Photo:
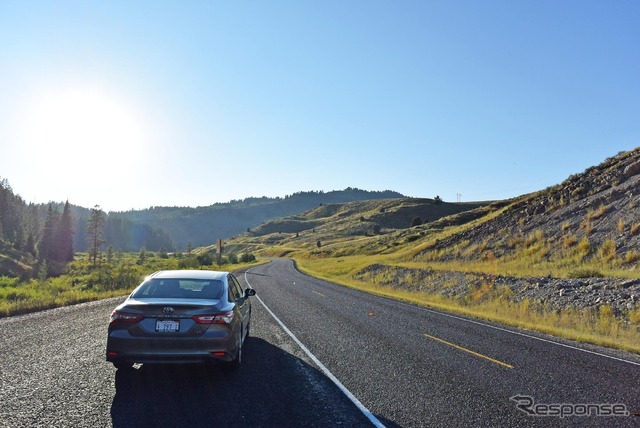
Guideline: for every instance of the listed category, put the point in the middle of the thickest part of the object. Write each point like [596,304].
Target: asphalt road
[412,366]
[407,366]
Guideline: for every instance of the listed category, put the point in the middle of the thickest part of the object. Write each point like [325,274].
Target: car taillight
[124,317]
[219,318]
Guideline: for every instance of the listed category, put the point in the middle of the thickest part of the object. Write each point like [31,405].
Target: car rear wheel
[237,361]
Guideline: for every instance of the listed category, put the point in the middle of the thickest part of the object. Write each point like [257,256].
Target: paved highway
[359,360]
[411,366]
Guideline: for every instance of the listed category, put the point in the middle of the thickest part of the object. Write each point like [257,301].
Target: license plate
[167,326]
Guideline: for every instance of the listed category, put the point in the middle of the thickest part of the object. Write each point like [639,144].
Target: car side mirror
[249,292]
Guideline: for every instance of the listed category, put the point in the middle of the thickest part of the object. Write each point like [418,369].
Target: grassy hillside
[15,263]
[562,260]
[363,227]
[589,225]
[205,225]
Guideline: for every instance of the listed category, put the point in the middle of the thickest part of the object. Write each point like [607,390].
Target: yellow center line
[319,294]
[469,351]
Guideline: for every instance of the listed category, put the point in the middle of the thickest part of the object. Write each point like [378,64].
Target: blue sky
[132,104]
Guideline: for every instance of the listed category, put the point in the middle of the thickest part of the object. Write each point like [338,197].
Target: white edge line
[375,421]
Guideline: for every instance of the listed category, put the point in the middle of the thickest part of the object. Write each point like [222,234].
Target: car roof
[190,274]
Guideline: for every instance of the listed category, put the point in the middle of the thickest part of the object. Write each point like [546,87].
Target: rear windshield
[180,288]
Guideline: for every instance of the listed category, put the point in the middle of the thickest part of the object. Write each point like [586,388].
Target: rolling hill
[205,225]
[573,245]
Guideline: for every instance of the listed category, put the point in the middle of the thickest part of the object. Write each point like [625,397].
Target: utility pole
[219,255]
[458,197]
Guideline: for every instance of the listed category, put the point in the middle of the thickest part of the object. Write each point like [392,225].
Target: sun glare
[83,139]
[74,122]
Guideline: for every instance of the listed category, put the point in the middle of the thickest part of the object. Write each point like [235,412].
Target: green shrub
[247,257]
[189,263]
[585,273]
[6,281]
[205,259]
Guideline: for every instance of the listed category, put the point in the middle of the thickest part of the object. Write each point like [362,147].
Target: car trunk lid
[170,317]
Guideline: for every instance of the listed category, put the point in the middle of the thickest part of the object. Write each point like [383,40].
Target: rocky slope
[601,204]
[621,295]
[593,217]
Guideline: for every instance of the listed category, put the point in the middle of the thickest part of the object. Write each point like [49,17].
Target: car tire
[237,361]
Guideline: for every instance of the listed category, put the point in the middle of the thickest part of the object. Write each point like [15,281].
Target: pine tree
[95,232]
[46,247]
[33,229]
[64,237]
[30,245]
[4,209]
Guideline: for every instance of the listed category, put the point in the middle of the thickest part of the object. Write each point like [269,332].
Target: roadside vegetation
[115,274]
[39,268]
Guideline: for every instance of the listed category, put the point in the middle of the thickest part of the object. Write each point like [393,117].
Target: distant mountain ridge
[154,229]
[202,226]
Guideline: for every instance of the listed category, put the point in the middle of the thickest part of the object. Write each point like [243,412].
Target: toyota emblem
[167,310]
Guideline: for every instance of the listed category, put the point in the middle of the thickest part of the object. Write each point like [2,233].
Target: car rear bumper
[123,347]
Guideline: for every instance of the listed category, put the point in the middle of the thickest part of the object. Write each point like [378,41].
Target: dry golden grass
[601,211]
[607,251]
[631,256]
[569,240]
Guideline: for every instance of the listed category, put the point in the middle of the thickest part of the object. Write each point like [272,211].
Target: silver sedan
[181,316]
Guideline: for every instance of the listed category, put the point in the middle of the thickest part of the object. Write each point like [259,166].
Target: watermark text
[528,405]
